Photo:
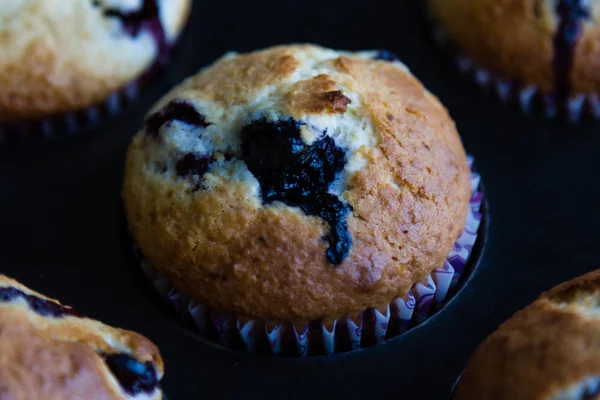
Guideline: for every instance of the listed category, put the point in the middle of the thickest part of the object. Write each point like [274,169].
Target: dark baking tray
[60,211]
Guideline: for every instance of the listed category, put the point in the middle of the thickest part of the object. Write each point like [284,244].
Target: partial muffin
[549,350]
[49,351]
[297,184]
[58,57]
[548,46]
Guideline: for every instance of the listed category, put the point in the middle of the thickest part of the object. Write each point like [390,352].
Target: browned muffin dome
[48,351]
[60,56]
[549,350]
[553,45]
[297,183]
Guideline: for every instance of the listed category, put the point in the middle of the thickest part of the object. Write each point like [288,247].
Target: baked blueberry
[41,306]
[299,175]
[135,377]
[591,394]
[146,18]
[51,352]
[190,164]
[386,55]
[316,184]
[176,110]
[96,48]
[571,14]
[542,53]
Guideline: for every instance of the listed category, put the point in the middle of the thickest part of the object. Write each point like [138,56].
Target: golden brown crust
[317,95]
[33,366]
[585,76]
[480,30]
[526,55]
[58,358]
[223,248]
[57,57]
[241,77]
[542,350]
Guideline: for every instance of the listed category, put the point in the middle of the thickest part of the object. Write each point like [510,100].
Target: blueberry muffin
[61,56]
[549,45]
[297,183]
[549,350]
[49,351]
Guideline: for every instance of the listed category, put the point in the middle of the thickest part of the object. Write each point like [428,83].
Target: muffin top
[549,350]
[49,351]
[551,44]
[297,183]
[59,56]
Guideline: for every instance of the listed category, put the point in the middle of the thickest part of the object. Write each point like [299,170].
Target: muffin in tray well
[549,350]
[552,46]
[48,351]
[297,183]
[58,56]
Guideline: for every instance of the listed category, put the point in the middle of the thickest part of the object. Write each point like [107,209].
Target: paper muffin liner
[529,98]
[64,125]
[346,334]
[455,386]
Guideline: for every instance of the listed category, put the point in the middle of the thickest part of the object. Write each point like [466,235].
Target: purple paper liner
[345,334]
[455,386]
[529,98]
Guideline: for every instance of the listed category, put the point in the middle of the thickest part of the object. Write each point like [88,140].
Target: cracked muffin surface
[297,183]
[549,350]
[49,351]
[61,56]
[549,44]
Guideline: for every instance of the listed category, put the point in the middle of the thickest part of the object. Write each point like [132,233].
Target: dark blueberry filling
[181,110]
[571,14]
[386,55]
[147,18]
[192,165]
[299,175]
[43,307]
[590,394]
[133,376]
[176,110]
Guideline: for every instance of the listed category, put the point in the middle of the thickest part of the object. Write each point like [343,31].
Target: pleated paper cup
[529,98]
[79,121]
[372,326]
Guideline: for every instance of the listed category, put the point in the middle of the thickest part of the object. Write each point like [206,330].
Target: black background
[60,212]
